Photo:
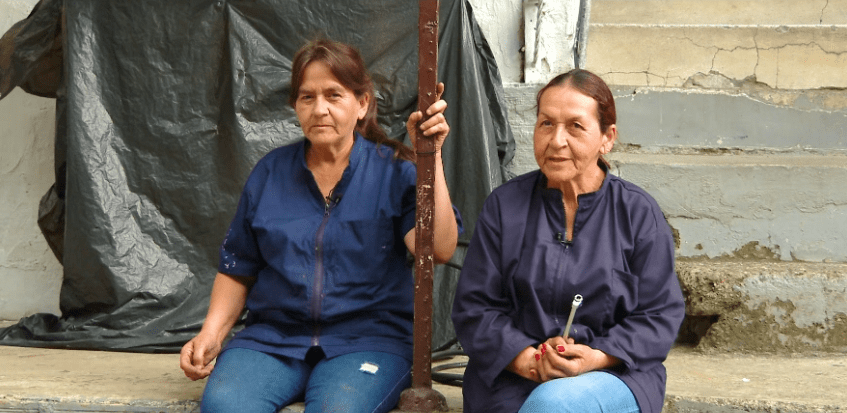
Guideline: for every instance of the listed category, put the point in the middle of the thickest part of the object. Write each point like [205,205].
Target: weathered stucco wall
[532,40]
[501,21]
[30,275]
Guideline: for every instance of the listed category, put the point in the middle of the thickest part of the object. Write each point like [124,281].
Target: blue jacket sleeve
[239,253]
[643,336]
[482,305]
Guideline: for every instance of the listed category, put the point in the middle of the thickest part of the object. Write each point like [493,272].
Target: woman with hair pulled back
[570,228]
[316,252]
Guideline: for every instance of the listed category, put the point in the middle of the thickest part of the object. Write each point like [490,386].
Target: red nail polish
[561,348]
[537,357]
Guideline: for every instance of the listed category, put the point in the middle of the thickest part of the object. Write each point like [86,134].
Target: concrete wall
[30,275]
[532,40]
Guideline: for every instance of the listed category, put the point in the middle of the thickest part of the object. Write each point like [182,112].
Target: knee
[220,398]
[548,397]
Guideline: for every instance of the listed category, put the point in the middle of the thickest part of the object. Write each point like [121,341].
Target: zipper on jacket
[317,286]
[563,240]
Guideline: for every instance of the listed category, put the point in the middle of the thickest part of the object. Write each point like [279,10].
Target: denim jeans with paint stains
[246,380]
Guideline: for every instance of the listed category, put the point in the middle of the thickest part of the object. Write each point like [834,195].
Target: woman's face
[567,139]
[327,110]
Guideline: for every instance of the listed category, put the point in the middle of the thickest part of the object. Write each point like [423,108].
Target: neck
[329,156]
[589,182]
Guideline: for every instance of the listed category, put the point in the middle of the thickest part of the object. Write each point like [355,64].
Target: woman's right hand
[229,293]
[559,357]
[196,356]
[525,364]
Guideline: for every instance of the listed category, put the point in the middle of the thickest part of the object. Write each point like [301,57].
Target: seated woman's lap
[358,382]
[595,391]
[245,380]
[251,381]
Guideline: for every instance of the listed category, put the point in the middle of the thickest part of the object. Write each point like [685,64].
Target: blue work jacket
[329,273]
[520,276]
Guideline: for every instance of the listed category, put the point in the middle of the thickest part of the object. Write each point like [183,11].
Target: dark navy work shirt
[520,276]
[331,273]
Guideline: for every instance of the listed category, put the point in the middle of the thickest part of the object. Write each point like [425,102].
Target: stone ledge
[767,307]
[724,383]
[43,380]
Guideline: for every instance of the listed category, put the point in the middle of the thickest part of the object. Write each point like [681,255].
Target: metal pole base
[421,399]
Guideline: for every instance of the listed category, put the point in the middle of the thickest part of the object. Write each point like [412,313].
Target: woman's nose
[321,106]
[560,136]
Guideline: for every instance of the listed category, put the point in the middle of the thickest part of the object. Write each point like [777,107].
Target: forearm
[446,233]
[229,294]
[602,361]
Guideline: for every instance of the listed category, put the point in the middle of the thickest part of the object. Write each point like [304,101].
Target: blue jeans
[248,381]
[594,391]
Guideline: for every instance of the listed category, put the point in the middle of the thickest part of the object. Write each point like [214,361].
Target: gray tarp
[164,106]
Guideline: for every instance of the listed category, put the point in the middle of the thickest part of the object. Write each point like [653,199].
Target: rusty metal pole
[421,397]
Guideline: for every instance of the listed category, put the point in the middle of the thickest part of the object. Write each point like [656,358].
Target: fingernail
[543,348]
[561,348]
[537,357]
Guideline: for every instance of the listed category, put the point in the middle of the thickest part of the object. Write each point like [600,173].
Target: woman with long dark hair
[317,254]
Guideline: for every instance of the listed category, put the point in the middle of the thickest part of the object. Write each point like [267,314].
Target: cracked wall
[720,12]
[780,57]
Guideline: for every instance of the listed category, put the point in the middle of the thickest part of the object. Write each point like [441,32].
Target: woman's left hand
[559,358]
[435,125]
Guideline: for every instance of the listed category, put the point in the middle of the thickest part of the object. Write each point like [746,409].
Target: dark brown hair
[589,85]
[346,64]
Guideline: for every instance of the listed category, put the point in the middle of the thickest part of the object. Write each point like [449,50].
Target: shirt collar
[356,155]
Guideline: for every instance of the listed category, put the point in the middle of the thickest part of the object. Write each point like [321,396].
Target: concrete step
[752,121]
[720,12]
[48,380]
[788,207]
[731,382]
[42,380]
[784,44]
[763,306]
[696,121]
[794,57]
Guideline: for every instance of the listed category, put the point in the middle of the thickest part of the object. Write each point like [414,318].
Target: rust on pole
[421,397]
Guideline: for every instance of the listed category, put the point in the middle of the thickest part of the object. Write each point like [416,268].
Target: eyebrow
[568,118]
[329,89]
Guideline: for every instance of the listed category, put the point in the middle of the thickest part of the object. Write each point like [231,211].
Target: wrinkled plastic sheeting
[169,106]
